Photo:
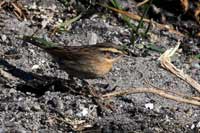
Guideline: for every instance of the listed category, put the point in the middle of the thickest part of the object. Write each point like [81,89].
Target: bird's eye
[110,54]
[114,55]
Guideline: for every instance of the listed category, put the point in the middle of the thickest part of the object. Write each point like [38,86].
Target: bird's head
[111,52]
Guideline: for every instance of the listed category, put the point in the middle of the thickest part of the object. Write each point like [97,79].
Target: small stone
[24,108]
[149,106]
[198,125]
[92,38]
[35,67]
[33,6]
[57,103]
[196,65]
[193,126]
[32,51]
[116,40]
[13,91]
[140,46]
[36,108]
[83,113]
[3,38]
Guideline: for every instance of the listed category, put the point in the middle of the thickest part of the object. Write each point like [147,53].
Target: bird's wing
[69,53]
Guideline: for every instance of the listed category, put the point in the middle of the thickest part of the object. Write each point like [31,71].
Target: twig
[159,92]
[7,75]
[137,18]
[166,63]
[2,3]
[196,98]
[99,100]
[8,56]
[177,94]
[76,124]
[142,3]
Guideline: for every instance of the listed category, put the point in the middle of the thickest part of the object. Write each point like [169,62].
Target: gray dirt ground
[39,110]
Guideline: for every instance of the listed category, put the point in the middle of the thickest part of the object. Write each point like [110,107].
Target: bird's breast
[102,68]
[86,69]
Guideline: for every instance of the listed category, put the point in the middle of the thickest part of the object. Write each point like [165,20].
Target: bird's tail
[40,42]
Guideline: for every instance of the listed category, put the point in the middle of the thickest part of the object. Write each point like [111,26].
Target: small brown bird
[83,62]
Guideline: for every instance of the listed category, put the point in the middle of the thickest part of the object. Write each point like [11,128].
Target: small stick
[159,92]
[7,75]
[166,63]
[142,3]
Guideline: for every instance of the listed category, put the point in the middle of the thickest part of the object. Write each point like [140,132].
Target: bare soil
[40,98]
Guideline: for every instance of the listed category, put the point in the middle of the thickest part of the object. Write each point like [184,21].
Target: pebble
[36,108]
[3,37]
[149,105]
[35,67]
[84,112]
[92,38]
[198,125]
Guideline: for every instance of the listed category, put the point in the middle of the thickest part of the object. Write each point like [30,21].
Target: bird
[83,62]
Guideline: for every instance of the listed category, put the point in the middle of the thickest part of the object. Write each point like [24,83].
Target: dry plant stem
[166,63]
[7,75]
[137,18]
[2,3]
[142,3]
[9,56]
[196,98]
[177,93]
[77,125]
[159,92]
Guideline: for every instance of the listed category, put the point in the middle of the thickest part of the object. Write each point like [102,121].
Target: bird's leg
[78,85]
[72,85]
[78,82]
[90,90]
[84,82]
[109,86]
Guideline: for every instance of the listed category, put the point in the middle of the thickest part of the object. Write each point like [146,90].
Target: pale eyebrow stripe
[111,50]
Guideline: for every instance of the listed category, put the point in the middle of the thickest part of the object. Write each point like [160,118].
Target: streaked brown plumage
[85,62]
